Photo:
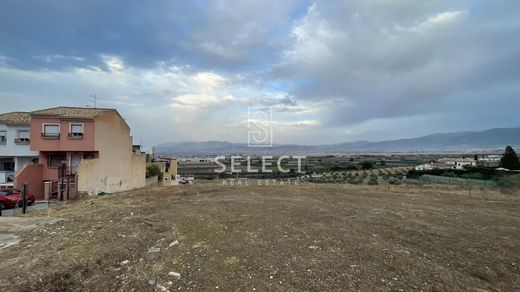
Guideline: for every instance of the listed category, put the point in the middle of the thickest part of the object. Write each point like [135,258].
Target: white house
[14,145]
[426,166]
[490,158]
[460,163]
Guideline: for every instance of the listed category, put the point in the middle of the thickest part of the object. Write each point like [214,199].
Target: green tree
[367,165]
[510,160]
[154,170]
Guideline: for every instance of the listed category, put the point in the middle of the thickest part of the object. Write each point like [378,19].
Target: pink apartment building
[81,150]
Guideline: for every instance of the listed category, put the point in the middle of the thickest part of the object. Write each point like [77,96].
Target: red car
[9,198]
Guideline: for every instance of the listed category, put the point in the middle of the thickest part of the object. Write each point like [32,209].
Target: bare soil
[272,238]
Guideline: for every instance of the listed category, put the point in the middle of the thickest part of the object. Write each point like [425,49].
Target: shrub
[475,175]
[154,170]
[509,182]
[394,181]
[372,181]
[352,180]
[367,165]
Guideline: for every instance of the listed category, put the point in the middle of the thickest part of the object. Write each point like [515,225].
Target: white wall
[21,161]
[11,148]
[21,153]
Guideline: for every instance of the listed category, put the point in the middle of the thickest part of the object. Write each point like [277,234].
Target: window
[56,159]
[76,130]
[51,130]
[87,156]
[23,137]
[3,137]
[8,166]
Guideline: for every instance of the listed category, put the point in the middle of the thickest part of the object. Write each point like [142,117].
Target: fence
[456,181]
[64,188]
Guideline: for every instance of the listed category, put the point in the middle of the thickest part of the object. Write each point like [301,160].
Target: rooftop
[72,112]
[22,118]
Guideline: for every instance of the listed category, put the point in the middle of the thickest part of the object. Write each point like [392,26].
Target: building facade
[15,151]
[81,150]
[169,169]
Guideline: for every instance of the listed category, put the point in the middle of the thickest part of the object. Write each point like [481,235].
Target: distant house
[489,160]
[15,152]
[426,166]
[448,163]
[196,161]
[461,163]
[169,169]
[458,163]
[81,150]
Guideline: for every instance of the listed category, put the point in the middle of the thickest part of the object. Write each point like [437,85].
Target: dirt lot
[272,238]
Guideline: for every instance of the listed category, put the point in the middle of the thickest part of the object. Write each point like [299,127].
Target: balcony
[51,136]
[22,141]
[76,136]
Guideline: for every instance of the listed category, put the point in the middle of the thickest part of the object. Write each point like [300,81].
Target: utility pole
[93,99]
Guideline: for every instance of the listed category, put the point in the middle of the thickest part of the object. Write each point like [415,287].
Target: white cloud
[161,104]
[435,21]
[199,100]
[52,58]
[303,123]
[113,63]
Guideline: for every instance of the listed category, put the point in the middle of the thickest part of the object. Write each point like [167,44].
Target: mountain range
[487,140]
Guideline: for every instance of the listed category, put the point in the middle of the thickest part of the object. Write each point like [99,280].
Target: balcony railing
[75,135]
[22,141]
[50,135]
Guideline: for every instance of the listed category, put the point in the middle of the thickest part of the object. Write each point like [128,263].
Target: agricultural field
[322,165]
[390,175]
[310,237]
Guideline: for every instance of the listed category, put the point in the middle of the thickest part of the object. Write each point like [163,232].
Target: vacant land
[272,238]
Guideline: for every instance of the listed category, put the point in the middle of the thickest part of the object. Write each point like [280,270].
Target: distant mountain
[492,139]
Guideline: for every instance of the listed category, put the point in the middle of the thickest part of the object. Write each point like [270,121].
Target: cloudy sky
[332,71]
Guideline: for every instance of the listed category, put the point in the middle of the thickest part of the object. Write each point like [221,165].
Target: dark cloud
[209,34]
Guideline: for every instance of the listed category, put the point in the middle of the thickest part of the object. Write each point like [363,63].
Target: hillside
[492,139]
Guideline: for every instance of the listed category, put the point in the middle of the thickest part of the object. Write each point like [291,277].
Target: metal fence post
[24,195]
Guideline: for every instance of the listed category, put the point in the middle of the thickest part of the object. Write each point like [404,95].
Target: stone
[175,275]
[173,243]
[153,253]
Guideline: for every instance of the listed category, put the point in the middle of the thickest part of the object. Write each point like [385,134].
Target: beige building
[169,170]
[117,167]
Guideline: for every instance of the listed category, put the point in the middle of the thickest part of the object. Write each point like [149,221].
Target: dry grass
[322,237]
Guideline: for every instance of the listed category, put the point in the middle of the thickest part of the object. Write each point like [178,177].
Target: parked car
[10,197]
[185,179]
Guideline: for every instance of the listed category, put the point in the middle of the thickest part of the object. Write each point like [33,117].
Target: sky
[330,71]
